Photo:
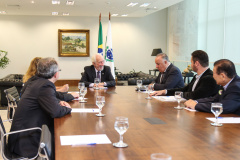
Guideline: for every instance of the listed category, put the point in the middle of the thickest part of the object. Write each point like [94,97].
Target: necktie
[161,78]
[98,76]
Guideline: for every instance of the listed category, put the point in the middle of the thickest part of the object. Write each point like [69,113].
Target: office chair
[45,148]
[5,152]
[12,98]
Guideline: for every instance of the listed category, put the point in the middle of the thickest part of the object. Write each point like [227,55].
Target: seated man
[202,85]
[225,74]
[98,70]
[169,76]
[38,106]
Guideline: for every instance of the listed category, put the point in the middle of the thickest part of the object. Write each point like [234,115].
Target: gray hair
[164,56]
[47,67]
[94,57]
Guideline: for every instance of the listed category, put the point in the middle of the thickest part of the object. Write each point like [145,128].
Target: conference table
[182,134]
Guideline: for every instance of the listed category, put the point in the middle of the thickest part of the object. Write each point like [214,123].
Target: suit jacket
[38,106]
[230,99]
[64,96]
[206,87]
[172,78]
[90,74]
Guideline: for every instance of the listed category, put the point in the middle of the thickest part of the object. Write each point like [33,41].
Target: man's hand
[63,103]
[158,93]
[190,104]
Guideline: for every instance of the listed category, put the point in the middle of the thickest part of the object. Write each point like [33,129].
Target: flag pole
[109,16]
[99,18]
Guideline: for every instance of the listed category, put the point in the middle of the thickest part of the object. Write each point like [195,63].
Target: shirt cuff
[91,85]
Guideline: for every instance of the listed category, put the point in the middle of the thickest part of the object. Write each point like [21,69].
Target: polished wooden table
[185,135]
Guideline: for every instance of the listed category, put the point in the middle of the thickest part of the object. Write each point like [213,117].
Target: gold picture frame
[73,43]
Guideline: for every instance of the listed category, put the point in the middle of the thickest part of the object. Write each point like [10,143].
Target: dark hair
[47,67]
[163,55]
[201,57]
[225,66]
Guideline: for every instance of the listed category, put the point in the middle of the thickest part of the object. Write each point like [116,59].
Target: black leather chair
[5,152]
[7,82]
[12,98]
[45,148]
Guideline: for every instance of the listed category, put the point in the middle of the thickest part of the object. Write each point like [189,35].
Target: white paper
[167,98]
[226,119]
[84,139]
[78,99]
[191,110]
[74,92]
[89,110]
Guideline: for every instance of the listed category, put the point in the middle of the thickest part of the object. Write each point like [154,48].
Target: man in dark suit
[229,95]
[38,106]
[98,70]
[202,85]
[169,76]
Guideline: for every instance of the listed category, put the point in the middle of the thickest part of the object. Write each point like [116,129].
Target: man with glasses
[38,106]
[98,70]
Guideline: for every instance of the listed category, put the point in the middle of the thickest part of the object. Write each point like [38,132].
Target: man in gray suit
[98,70]
[169,76]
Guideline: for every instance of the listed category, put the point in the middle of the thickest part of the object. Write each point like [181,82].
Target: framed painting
[73,43]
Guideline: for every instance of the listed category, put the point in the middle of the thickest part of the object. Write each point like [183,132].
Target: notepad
[167,98]
[88,110]
[85,139]
[225,119]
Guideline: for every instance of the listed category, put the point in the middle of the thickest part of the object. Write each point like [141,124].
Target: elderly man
[169,76]
[202,85]
[38,106]
[229,95]
[98,70]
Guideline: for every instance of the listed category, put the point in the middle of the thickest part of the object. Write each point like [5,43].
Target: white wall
[25,37]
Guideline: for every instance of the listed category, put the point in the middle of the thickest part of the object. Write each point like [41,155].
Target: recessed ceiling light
[155,7]
[132,4]
[145,5]
[124,15]
[3,12]
[32,2]
[55,2]
[70,3]
[65,14]
[54,13]
[114,14]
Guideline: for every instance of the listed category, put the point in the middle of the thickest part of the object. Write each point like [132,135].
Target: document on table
[167,98]
[85,139]
[88,110]
[225,119]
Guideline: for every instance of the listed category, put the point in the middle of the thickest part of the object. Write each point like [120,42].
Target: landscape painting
[73,43]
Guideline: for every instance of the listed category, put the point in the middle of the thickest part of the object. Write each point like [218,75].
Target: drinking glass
[81,85]
[139,84]
[178,96]
[216,109]
[160,156]
[100,101]
[82,93]
[149,91]
[96,82]
[121,125]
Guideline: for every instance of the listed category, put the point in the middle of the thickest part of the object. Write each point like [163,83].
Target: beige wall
[25,37]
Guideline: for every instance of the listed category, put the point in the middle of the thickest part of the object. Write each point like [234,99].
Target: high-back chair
[12,98]
[45,148]
[5,152]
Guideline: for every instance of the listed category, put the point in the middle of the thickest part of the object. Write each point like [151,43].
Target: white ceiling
[84,7]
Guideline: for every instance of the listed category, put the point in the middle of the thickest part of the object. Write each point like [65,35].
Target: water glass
[149,89]
[160,156]
[81,85]
[216,109]
[96,82]
[121,125]
[100,102]
[178,96]
[139,84]
[82,94]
